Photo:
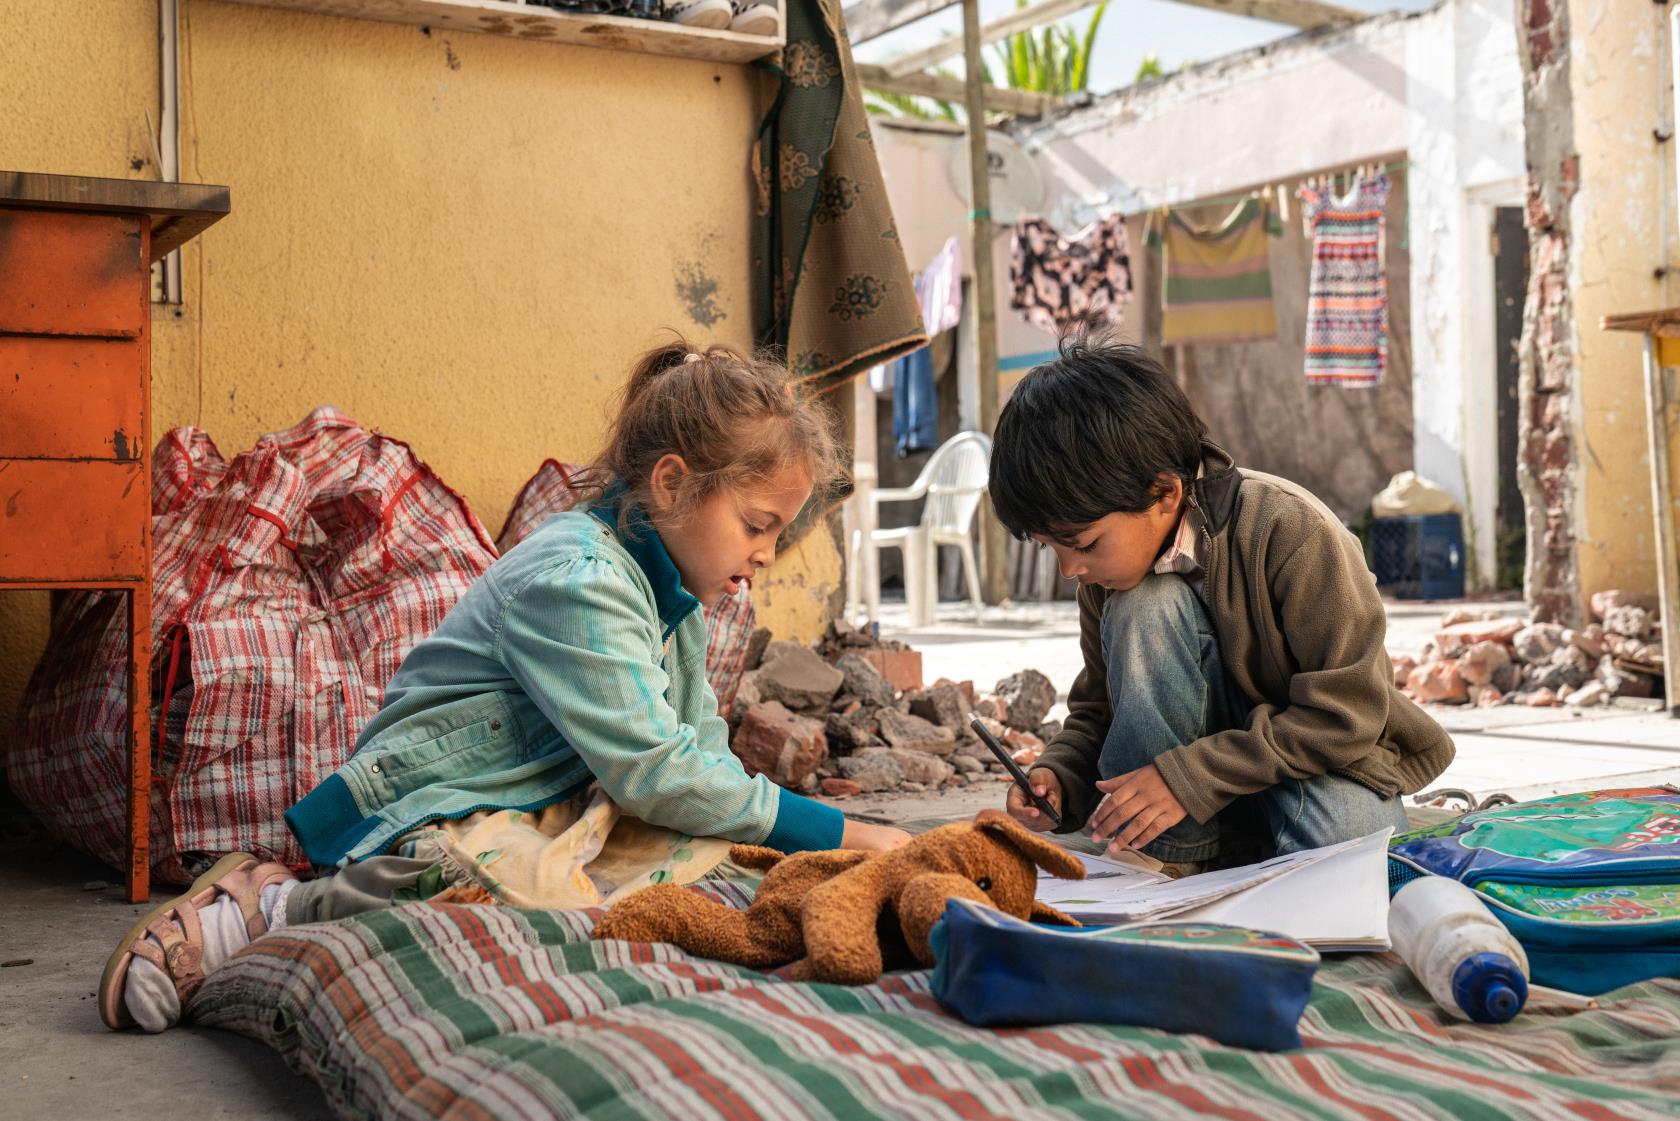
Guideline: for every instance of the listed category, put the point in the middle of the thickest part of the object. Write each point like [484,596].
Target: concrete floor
[63,912]
[57,1060]
[1525,752]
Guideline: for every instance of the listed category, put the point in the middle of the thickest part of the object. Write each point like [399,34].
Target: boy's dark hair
[1090,434]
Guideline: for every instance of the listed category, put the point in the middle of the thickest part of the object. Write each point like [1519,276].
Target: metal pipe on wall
[169,124]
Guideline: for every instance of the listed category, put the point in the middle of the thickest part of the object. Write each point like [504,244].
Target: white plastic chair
[952,482]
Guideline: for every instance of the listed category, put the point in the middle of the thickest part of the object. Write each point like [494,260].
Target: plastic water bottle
[1464,956]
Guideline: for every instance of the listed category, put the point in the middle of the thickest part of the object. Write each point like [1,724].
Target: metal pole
[169,125]
[994,563]
[1668,567]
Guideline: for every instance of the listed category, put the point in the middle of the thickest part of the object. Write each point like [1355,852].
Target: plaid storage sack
[287,586]
[1589,883]
[729,622]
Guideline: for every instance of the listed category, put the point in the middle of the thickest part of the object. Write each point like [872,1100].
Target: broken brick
[775,742]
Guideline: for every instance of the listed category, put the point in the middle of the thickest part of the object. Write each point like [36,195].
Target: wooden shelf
[178,211]
[532,21]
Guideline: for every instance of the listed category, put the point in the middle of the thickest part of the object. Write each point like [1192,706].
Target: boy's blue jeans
[1167,686]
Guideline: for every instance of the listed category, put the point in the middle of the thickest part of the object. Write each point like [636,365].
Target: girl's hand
[1139,808]
[1047,786]
[867,837]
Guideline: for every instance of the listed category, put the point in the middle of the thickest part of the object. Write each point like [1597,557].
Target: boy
[1235,682]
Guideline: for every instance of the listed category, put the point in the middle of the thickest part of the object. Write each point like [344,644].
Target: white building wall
[1260,117]
[1464,139]
[1441,88]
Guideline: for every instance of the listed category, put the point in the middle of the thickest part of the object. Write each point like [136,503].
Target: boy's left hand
[1139,808]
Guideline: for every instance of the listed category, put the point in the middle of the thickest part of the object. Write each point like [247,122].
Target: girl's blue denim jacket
[577,657]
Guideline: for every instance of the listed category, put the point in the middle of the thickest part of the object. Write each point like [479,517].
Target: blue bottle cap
[1489,987]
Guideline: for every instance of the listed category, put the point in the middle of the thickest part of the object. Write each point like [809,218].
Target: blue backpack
[1588,883]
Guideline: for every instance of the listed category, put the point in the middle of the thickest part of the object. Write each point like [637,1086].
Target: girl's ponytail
[659,360]
[729,416]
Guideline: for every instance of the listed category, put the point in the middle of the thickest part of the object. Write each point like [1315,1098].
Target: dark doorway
[1509,243]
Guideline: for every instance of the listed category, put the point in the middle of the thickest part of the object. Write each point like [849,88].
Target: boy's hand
[1047,786]
[869,837]
[1139,808]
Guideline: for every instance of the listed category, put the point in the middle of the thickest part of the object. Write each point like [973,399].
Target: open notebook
[1333,898]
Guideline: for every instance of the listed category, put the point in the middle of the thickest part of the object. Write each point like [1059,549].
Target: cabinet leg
[139,743]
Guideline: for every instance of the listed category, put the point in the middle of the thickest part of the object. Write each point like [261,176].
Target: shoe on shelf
[713,14]
[755,18]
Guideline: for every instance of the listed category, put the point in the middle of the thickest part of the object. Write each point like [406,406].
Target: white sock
[148,991]
[272,900]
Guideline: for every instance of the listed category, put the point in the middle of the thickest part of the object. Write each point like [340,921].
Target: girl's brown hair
[731,417]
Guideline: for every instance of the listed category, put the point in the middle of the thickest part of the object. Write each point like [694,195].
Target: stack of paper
[1333,898]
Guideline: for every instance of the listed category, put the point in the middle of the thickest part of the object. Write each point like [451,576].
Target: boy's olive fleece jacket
[1300,630]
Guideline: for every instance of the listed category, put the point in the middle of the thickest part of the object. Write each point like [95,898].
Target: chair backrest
[962,461]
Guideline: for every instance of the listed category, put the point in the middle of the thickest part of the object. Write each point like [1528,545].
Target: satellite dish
[1017,186]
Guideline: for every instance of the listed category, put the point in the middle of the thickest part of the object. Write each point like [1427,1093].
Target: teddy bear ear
[1046,854]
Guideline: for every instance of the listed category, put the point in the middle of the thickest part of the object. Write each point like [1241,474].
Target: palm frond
[1082,69]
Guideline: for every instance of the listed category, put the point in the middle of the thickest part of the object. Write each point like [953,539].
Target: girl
[576,665]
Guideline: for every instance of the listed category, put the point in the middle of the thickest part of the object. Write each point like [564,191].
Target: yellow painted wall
[459,239]
[74,104]
[1617,82]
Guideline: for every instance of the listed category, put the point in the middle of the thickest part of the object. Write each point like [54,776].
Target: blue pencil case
[1243,988]
[1589,883]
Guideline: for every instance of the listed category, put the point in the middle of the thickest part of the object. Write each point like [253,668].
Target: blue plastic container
[1419,556]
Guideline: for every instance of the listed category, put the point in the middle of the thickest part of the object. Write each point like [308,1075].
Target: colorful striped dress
[1347,300]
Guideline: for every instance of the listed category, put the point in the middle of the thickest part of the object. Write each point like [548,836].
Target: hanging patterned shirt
[1056,281]
[1347,300]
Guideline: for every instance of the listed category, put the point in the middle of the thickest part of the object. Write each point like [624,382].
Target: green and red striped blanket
[484,1012]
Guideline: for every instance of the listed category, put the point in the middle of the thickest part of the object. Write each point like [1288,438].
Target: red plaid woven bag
[287,586]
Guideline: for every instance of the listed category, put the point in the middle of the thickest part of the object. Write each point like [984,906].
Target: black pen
[1014,768]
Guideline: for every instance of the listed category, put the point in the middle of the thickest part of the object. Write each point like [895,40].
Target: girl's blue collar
[645,547]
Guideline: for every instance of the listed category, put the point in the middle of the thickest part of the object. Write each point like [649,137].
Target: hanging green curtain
[830,285]
[831,289]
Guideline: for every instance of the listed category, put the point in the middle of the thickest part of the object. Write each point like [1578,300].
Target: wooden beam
[1023,20]
[1662,509]
[994,552]
[1308,15]
[870,19]
[1645,322]
[1018,102]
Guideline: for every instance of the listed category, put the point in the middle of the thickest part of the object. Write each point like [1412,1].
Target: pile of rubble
[1483,659]
[849,715]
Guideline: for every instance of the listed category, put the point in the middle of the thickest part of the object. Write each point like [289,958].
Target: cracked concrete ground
[57,1060]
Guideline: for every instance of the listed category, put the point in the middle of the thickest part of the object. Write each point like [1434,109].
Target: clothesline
[1216,276]
[1278,187]
[1281,187]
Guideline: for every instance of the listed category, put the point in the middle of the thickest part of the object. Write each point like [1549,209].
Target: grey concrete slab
[57,1060]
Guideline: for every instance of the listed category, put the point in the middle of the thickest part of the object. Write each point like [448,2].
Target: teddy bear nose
[984,883]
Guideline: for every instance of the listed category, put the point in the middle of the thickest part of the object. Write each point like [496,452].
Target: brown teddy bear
[843,916]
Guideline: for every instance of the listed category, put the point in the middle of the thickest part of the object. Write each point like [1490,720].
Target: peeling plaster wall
[461,239]
[1623,218]
[1464,143]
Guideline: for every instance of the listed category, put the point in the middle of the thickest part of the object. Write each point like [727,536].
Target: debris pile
[1483,659]
[850,715]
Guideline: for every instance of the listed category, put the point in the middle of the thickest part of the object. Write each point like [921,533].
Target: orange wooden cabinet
[75,405]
